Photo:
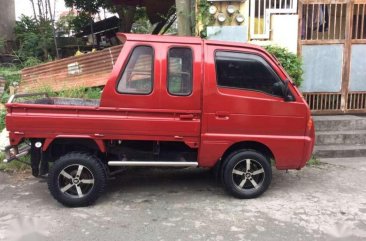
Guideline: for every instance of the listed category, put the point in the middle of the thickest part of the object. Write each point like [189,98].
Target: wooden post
[347,55]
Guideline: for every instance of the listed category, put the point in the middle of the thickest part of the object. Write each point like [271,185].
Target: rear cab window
[138,75]
[180,71]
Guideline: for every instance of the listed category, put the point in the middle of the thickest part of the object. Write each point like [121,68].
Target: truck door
[242,103]
[181,91]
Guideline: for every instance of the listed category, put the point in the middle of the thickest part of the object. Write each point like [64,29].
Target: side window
[246,71]
[138,75]
[180,64]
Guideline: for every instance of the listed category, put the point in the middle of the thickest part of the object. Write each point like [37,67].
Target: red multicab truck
[169,102]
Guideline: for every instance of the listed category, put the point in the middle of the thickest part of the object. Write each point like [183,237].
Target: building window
[246,71]
[180,64]
[138,75]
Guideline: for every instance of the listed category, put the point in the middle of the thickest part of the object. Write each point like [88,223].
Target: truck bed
[63,101]
[50,118]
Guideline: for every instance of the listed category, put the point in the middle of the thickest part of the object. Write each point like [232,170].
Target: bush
[290,62]
[12,76]
[34,39]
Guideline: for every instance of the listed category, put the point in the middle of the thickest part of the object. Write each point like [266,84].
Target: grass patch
[313,161]
[12,78]
[84,93]
[80,92]
[15,166]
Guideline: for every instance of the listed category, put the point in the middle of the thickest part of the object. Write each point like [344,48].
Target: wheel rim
[248,174]
[76,181]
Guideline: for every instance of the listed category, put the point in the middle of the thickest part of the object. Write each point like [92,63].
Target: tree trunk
[184,17]
[34,10]
[126,16]
[53,27]
[40,14]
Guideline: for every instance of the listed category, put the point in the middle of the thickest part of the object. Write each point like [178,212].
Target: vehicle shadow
[145,183]
[163,181]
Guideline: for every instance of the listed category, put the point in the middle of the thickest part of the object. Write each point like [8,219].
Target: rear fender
[98,142]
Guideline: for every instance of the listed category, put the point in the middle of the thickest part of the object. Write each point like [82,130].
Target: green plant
[290,62]
[31,61]
[12,76]
[2,44]
[141,21]
[34,39]
[78,92]
[15,166]
[204,17]
[2,119]
[313,161]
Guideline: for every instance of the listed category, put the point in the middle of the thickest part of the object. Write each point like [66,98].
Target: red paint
[221,116]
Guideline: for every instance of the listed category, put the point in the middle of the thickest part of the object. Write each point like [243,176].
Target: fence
[89,70]
[332,42]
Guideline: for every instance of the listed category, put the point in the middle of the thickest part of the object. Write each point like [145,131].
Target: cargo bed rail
[16,96]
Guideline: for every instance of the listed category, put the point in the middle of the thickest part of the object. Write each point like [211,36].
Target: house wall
[263,25]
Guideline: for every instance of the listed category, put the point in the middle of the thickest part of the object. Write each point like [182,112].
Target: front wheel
[247,174]
[77,179]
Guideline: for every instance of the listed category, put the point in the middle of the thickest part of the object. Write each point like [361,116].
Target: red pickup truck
[169,102]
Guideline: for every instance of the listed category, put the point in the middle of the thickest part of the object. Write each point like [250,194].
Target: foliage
[80,21]
[31,61]
[141,21]
[79,92]
[2,44]
[2,120]
[12,77]
[90,6]
[290,62]
[204,17]
[66,24]
[15,166]
[313,161]
[34,39]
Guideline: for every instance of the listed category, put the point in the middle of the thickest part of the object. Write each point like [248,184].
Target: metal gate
[332,43]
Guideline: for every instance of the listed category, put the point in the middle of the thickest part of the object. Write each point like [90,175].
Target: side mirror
[287,95]
[282,89]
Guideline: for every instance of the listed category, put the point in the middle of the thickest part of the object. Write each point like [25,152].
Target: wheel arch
[53,148]
[249,145]
[252,145]
[86,141]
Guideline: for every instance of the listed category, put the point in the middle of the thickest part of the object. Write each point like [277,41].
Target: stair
[340,136]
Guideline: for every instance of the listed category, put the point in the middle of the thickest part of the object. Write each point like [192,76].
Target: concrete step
[340,123]
[340,151]
[354,137]
[354,162]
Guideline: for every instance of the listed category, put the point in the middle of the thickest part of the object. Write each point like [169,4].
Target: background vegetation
[290,62]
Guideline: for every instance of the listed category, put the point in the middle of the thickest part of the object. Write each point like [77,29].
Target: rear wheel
[77,179]
[247,174]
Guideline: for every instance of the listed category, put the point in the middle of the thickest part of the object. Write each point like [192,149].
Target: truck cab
[171,101]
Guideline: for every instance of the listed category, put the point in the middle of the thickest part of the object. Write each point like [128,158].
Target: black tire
[77,179]
[243,182]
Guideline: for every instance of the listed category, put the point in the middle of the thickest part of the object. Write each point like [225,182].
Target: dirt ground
[325,202]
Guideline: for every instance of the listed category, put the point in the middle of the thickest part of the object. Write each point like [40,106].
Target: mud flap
[38,164]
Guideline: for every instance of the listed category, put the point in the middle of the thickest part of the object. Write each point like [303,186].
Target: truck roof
[182,40]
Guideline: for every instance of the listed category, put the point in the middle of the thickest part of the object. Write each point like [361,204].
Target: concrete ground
[325,202]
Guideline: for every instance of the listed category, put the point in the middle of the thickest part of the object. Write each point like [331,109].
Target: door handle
[186,117]
[222,115]
[178,137]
